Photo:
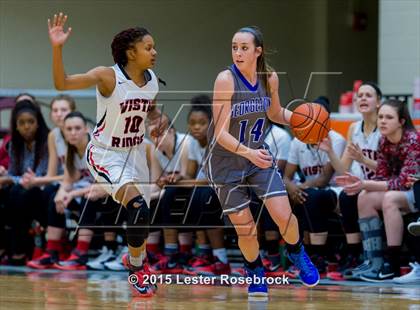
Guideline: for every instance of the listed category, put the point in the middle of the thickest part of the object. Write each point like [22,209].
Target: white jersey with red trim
[310,159]
[121,116]
[86,178]
[369,146]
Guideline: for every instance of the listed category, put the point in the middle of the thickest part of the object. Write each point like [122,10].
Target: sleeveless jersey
[174,164]
[368,145]
[311,160]
[248,120]
[86,178]
[61,148]
[120,117]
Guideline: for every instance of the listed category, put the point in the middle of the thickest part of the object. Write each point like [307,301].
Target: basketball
[310,123]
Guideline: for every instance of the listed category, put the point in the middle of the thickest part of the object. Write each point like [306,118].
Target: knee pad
[138,216]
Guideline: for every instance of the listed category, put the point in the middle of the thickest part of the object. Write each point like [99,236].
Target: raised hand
[56,30]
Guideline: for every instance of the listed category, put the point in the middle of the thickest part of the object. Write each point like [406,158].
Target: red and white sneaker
[76,261]
[46,261]
[136,278]
[166,265]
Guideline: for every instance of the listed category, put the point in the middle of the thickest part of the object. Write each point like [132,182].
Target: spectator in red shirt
[390,192]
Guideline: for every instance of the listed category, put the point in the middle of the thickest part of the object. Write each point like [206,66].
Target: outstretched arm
[102,77]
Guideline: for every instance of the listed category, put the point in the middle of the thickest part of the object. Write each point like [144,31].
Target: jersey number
[256,131]
[132,124]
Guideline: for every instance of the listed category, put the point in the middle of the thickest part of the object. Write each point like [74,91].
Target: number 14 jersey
[248,119]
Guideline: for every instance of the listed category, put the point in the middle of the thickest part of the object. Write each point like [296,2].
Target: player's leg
[138,219]
[137,222]
[235,202]
[125,176]
[246,230]
[233,193]
[269,187]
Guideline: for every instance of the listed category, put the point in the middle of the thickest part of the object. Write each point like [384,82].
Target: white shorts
[114,168]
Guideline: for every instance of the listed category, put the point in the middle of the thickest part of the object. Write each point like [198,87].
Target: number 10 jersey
[121,116]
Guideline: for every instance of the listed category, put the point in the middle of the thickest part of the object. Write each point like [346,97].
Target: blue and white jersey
[248,119]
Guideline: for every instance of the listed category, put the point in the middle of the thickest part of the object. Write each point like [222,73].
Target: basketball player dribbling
[245,95]
[116,156]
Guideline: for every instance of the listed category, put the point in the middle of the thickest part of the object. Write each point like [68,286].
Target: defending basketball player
[245,95]
[116,156]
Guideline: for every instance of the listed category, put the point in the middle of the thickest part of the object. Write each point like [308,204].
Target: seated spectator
[28,153]
[390,192]
[359,158]
[60,106]
[315,198]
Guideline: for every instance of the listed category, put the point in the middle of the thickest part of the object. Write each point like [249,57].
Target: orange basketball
[310,123]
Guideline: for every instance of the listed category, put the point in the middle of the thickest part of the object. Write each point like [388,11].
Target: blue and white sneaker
[259,287]
[308,273]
